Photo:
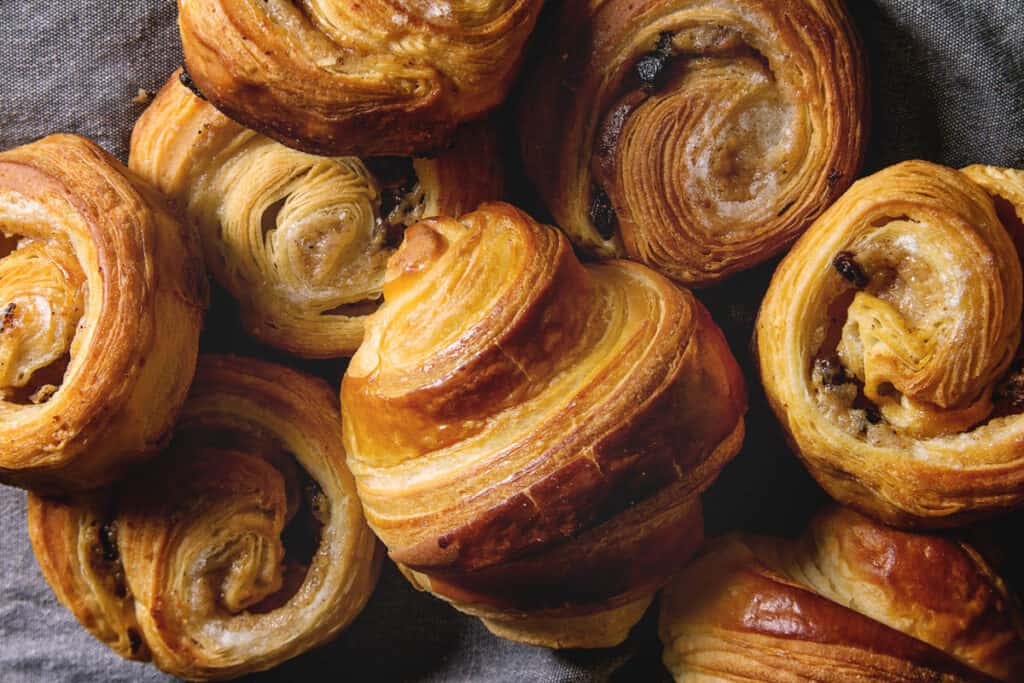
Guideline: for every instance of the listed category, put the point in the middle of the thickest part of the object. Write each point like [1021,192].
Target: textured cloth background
[947,85]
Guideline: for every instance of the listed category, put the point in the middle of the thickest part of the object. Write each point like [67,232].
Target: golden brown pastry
[887,344]
[530,435]
[300,241]
[698,137]
[364,78]
[241,546]
[851,600]
[101,300]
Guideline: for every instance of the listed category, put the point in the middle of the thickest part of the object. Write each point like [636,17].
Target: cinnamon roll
[243,545]
[889,344]
[530,436]
[698,137]
[101,300]
[368,78]
[300,241]
[851,600]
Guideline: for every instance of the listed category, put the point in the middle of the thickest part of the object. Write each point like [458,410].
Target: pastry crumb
[142,97]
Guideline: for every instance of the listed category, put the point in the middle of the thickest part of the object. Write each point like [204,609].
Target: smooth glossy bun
[241,546]
[530,436]
[888,344]
[101,300]
[365,78]
[851,600]
[698,137]
[300,241]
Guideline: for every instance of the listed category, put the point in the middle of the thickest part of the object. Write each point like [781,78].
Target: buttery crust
[698,137]
[300,241]
[851,600]
[530,435]
[888,343]
[101,296]
[197,562]
[368,78]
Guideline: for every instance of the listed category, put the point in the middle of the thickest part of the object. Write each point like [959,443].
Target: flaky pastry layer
[530,435]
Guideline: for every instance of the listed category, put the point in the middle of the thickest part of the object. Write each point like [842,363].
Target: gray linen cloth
[947,85]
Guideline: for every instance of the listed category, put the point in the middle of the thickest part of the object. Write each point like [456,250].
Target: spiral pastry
[101,301]
[529,435]
[300,241]
[368,78]
[698,137]
[851,600]
[242,546]
[888,343]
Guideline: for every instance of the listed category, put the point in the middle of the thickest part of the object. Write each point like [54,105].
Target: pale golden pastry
[241,546]
[101,300]
[300,241]
[530,436]
[851,600]
[699,137]
[887,344]
[365,78]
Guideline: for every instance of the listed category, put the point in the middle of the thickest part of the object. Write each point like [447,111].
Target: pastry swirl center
[307,227]
[42,296]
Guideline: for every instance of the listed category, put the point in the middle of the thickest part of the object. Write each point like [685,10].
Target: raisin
[848,267]
[602,214]
[664,46]
[650,68]
[831,371]
[108,541]
[1011,390]
[8,316]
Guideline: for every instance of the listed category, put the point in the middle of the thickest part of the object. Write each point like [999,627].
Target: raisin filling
[402,199]
[1008,395]
[650,74]
[847,266]
[827,370]
[308,507]
[105,554]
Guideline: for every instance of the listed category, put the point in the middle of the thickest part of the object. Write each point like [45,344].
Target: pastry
[851,600]
[300,241]
[101,300]
[698,137]
[239,547]
[364,78]
[888,344]
[530,435]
